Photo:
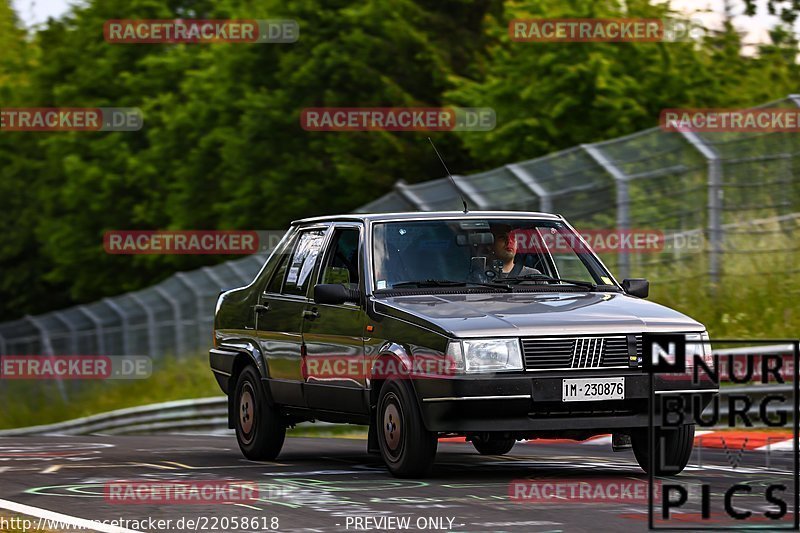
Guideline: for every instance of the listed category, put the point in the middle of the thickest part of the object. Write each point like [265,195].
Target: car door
[279,315]
[333,335]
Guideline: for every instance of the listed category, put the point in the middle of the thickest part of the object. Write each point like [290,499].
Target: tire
[407,448]
[678,444]
[260,430]
[493,445]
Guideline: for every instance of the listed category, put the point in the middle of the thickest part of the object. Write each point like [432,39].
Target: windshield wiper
[448,283]
[543,277]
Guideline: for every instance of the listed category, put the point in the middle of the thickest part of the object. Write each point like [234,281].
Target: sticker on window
[304,258]
[381,284]
[308,264]
[292,277]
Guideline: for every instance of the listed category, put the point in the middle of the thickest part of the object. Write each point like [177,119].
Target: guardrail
[199,414]
[195,415]
[211,414]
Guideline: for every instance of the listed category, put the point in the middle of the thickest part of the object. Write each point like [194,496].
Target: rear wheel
[493,445]
[673,448]
[260,430]
[407,448]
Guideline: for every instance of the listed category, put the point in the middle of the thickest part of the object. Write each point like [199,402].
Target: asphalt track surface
[323,484]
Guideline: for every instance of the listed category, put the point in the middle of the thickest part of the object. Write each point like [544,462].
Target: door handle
[311,315]
[260,308]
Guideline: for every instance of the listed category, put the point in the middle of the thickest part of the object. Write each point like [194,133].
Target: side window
[302,262]
[341,264]
[570,266]
[280,271]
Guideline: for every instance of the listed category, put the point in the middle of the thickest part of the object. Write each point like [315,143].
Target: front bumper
[529,404]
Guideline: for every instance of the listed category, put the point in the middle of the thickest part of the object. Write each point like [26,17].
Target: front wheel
[407,448]
[260,430]
[673,448]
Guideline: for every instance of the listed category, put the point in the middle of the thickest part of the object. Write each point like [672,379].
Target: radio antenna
[463,200]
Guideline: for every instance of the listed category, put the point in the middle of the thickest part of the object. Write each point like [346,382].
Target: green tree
[550,96]
[222,146]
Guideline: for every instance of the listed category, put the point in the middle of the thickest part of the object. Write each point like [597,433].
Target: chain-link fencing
[726,205]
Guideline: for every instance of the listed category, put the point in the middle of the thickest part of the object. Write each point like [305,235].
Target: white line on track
[80,523]
[778,446]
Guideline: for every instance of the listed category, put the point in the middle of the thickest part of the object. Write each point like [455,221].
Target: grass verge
[31,403]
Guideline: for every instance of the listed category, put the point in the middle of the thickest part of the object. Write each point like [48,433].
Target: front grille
[551,353]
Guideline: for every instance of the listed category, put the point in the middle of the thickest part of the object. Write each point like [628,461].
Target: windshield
[522,252]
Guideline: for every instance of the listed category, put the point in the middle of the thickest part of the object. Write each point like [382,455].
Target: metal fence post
[198,298]
[236,269]
[623,200]
[123,323]
[402,188]
[529,180]
[212,274]
[470,192]
[73,331]
[715,231]
[98,329]
[151,324]
[180,344]
[47,349]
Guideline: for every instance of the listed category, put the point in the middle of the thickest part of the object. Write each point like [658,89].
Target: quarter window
[280,272]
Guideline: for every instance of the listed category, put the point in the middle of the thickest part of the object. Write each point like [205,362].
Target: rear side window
[302,262]
[280,271]
[341,265]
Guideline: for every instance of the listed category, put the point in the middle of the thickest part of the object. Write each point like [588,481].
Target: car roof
[425,215]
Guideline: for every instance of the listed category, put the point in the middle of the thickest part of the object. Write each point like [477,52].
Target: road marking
[248,506]
[181,465]
[78,523]
[250,465]
[52,469]
[160,467]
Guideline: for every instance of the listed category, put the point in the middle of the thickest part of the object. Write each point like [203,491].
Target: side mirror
[638,287]
[334,294]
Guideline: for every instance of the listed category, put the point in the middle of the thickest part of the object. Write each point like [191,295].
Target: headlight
[484,355]
[699,344]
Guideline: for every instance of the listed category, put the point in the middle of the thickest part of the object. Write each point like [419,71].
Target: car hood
[536,313]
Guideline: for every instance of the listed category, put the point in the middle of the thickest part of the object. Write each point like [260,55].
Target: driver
[504,249]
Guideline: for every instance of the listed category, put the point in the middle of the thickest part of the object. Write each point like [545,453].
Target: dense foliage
[222,146]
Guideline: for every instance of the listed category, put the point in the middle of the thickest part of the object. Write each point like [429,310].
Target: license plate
[592,389]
